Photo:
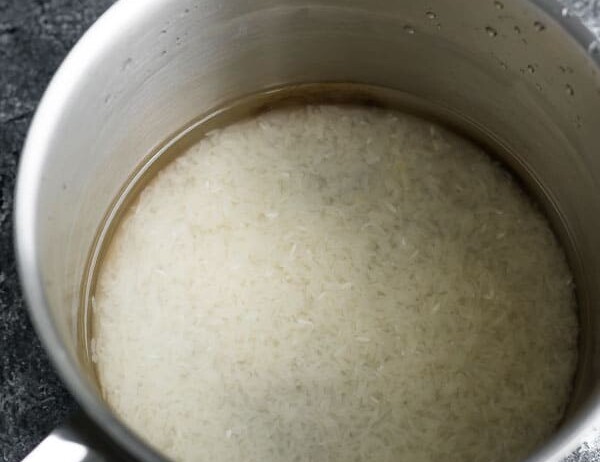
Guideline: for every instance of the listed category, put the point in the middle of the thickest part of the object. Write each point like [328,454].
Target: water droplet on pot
[531,69]
[538,86]
[565,12]
[539,26]
[569,89]
[409,29]
[430,15]
[517,29]
[499,5]
[126,64]
[491,31]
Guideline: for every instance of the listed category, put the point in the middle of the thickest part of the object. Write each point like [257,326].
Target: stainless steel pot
[518,73]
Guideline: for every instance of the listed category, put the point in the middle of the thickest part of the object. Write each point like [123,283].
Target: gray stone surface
[35,35]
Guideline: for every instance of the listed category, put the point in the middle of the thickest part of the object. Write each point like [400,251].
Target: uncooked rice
[335,283]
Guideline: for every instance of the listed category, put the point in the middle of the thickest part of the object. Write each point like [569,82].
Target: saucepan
[521,75]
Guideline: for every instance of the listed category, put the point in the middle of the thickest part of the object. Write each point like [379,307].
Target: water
[250,107]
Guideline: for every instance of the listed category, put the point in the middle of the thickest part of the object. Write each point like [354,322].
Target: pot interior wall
[505,72]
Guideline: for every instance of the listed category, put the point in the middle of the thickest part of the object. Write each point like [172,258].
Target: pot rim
[115,22]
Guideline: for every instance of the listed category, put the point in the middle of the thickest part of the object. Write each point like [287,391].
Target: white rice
[336,284]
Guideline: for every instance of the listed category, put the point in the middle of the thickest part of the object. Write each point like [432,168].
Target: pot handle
[78,440]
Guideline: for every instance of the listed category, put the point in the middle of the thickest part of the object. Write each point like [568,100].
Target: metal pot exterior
[517,73]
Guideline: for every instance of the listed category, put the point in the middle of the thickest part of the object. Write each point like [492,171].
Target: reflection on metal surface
[78,440]
[128,86]
[588,11]
[55,447]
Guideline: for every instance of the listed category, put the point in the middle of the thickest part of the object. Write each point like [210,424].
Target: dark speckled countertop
[35,35]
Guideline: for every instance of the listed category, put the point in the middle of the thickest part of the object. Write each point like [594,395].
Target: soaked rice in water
[329,283]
